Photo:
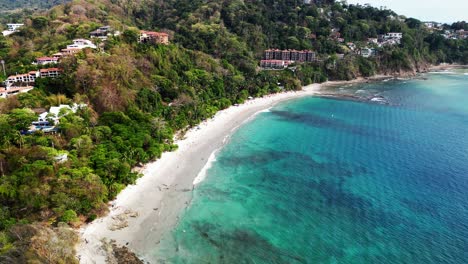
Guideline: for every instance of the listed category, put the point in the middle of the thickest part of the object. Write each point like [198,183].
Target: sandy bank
[446,66]
[152,206]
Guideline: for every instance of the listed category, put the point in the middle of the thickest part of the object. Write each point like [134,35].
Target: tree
[130,36]
[21,119]
[40,22]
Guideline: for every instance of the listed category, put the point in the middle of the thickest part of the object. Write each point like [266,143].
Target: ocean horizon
[378,179]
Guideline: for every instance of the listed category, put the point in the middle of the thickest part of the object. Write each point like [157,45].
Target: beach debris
[131,213]
[118,225]
[120,221]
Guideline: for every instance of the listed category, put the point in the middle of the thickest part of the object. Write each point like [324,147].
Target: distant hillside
[9,5]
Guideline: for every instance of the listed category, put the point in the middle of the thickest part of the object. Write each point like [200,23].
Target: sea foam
[442,72]
[202,174]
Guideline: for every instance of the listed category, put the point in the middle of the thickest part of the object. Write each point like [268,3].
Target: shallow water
[319,180]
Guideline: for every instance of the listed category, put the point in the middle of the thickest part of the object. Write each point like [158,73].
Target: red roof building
[50,72]
[46,60]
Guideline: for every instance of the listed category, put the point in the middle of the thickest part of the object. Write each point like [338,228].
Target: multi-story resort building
[50,72]
[276,64]
[290,55]
[27,80]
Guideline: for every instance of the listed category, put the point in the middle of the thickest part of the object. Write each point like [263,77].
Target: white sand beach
[152,206]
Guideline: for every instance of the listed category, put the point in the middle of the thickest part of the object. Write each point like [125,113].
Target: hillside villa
[46,60]
[11,28]
[367,52]
[5,92]
[153,37]
[81,44]
[56,112]
[48,120]
[30,77]
[103,33]
[392,38]
[77,46]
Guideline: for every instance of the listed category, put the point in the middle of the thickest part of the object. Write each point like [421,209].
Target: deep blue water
[319,180]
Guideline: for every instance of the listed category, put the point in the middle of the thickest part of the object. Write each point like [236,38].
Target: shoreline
[152,206]
[445,66]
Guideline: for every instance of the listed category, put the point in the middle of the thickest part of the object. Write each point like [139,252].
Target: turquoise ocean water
[318,180]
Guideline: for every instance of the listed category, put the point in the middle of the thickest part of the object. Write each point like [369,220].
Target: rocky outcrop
[116,254]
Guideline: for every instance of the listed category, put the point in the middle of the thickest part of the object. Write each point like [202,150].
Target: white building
[28,79]
[373,40]
[389,39]
[46,60]
[57,112]
[367,52]
[5,92]
[394,35]
[81,44]
[432,25]
[14,27]
[429,24]
[351,45]
[11,28]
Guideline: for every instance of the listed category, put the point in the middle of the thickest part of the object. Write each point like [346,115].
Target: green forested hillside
[139,95]
[240,30]
[9,5]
